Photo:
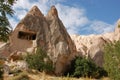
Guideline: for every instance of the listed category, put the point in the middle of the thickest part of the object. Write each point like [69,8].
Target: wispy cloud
[101,27]
[97,27]
[74,18]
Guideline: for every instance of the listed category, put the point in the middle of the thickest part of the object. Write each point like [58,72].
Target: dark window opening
[26,35]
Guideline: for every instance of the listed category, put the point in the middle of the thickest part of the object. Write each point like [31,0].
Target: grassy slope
[43,76]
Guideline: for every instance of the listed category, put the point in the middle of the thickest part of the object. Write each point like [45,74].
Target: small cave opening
[26,35]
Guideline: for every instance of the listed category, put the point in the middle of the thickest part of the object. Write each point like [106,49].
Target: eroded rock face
[62,47]
[92,46]
[117,31]
[48,32]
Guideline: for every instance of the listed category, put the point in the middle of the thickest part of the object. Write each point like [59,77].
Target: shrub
[1,72]
[112,60]
[81,67]
[1,69]
[39,61]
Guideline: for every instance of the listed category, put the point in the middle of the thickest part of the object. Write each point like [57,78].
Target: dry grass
[43,76]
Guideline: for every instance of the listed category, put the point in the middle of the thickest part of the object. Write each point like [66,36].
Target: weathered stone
[92,46]
[48,32]
[13,66]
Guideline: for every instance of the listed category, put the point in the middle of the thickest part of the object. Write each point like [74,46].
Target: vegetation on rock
[39,61]
[81,67]
[112,60]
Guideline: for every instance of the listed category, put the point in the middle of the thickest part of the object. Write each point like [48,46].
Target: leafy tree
[11,1]
[5,9]
[112,60]
[39,61]
[81,67]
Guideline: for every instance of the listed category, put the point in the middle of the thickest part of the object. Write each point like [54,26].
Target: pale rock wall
[92,46]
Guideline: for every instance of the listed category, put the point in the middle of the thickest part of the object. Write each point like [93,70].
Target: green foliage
[112,60]
[1,70]
[11,1]
[39,61]
[81,67]
[5,9]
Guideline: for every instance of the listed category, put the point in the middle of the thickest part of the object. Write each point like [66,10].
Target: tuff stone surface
[51,36]
[92,46]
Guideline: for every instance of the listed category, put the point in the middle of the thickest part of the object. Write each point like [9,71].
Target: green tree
[81,67]
[5,9]
[112,60]
[39,61]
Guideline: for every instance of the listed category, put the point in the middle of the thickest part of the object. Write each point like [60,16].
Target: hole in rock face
[26,35]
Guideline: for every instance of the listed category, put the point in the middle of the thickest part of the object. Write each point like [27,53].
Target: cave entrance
[26,35]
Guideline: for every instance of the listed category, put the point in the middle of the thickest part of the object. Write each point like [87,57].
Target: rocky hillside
[92,45]
[48,32]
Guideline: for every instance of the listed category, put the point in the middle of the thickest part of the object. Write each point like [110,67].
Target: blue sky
[82,17]
[105,10]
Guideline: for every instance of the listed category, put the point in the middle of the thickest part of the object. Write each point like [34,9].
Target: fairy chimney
[48,32]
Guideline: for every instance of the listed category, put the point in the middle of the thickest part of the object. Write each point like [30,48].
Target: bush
[39,61]
[1,72]
[1,69]
[81,67]
[112,60]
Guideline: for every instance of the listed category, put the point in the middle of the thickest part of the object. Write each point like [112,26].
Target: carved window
[26,35]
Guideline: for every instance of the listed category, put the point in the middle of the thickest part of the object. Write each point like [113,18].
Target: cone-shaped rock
[27,33]
[49,33]
[52,12]
[62,46]
[35,11]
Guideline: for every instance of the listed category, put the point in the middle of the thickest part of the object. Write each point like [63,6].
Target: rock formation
[92,46]
[48,32]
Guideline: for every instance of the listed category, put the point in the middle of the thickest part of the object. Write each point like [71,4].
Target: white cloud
[73,18]
[20,14]
[23,6]
[13,22]
[101,27]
